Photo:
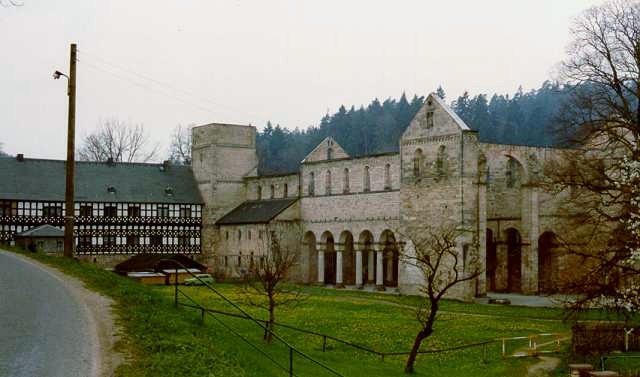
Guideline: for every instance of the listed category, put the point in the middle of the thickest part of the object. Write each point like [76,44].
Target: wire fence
[292,351]
[507,347]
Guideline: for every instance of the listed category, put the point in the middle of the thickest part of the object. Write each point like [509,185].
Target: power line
[148,88]
[147,78]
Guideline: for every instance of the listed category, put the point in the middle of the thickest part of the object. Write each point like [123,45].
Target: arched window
[366,179]
[418,157]
[312,184]
[387,177]
[273,191]
[329,153]
[345,181]
[511,174]
[440,162]
[285,190]
[327,183]
[239,234]
[259,192]
[429,119]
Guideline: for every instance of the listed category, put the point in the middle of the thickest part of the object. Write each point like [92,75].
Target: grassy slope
[169,342]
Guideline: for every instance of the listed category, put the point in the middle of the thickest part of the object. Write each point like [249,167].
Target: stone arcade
[351,208]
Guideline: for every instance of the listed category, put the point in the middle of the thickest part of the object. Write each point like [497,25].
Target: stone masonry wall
[223,155]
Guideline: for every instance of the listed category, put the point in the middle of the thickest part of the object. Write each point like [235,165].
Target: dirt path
[544,367]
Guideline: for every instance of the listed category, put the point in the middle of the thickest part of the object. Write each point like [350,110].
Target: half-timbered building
[120,208]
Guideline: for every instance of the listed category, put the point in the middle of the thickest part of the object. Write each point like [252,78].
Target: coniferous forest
[525,118]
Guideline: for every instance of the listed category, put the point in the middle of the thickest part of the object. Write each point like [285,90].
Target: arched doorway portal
[491,262]
[390,257]
[547,263]
[348,258]
[514,260]
[329,258]
[311,257]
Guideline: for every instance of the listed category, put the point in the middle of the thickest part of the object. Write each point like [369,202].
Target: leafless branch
[436,253]
[601,123]
[180,147]
[117,141]
[278,256]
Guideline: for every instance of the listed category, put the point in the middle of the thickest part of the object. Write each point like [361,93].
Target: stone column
[530,254]
[379,270]
[339,283]
[482,239]
[371,266]
[321,265]
[359,268]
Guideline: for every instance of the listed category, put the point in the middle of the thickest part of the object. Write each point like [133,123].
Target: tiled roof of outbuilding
[45,230]
[36,179]
[256,211]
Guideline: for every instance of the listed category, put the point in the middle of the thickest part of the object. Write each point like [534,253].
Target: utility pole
[70,166]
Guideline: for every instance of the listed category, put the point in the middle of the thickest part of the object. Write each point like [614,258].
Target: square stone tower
[222,155]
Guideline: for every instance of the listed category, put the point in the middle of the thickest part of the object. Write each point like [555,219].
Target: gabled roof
[45,230]
[449,111]
[36,179]
[256,211]
[319,153]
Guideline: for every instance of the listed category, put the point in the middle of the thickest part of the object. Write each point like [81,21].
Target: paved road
[43,326]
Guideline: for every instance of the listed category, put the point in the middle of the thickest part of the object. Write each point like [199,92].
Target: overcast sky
[164,63]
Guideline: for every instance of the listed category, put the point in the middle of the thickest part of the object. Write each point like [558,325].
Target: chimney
[110,161]
[20,157]
[165,165]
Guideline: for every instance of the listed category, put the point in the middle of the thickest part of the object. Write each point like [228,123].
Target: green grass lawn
[164,341]
[385,323]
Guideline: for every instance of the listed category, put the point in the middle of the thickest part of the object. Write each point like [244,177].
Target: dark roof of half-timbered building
[256,211]
[44,180]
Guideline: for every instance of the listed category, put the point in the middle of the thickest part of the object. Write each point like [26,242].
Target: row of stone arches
[347,260]
[509,260]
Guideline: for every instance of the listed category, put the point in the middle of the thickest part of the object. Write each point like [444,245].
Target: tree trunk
[414,352]
[272,319]
[426,331]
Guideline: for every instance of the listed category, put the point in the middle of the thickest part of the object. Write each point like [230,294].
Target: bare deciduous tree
[117,141]
[436,253]
[264,286]
[180,147]
[601,123]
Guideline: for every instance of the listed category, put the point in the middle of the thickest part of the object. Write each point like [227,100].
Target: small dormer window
[111,190]
[168,191]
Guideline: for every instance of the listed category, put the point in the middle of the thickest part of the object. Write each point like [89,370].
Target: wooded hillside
[524,118]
